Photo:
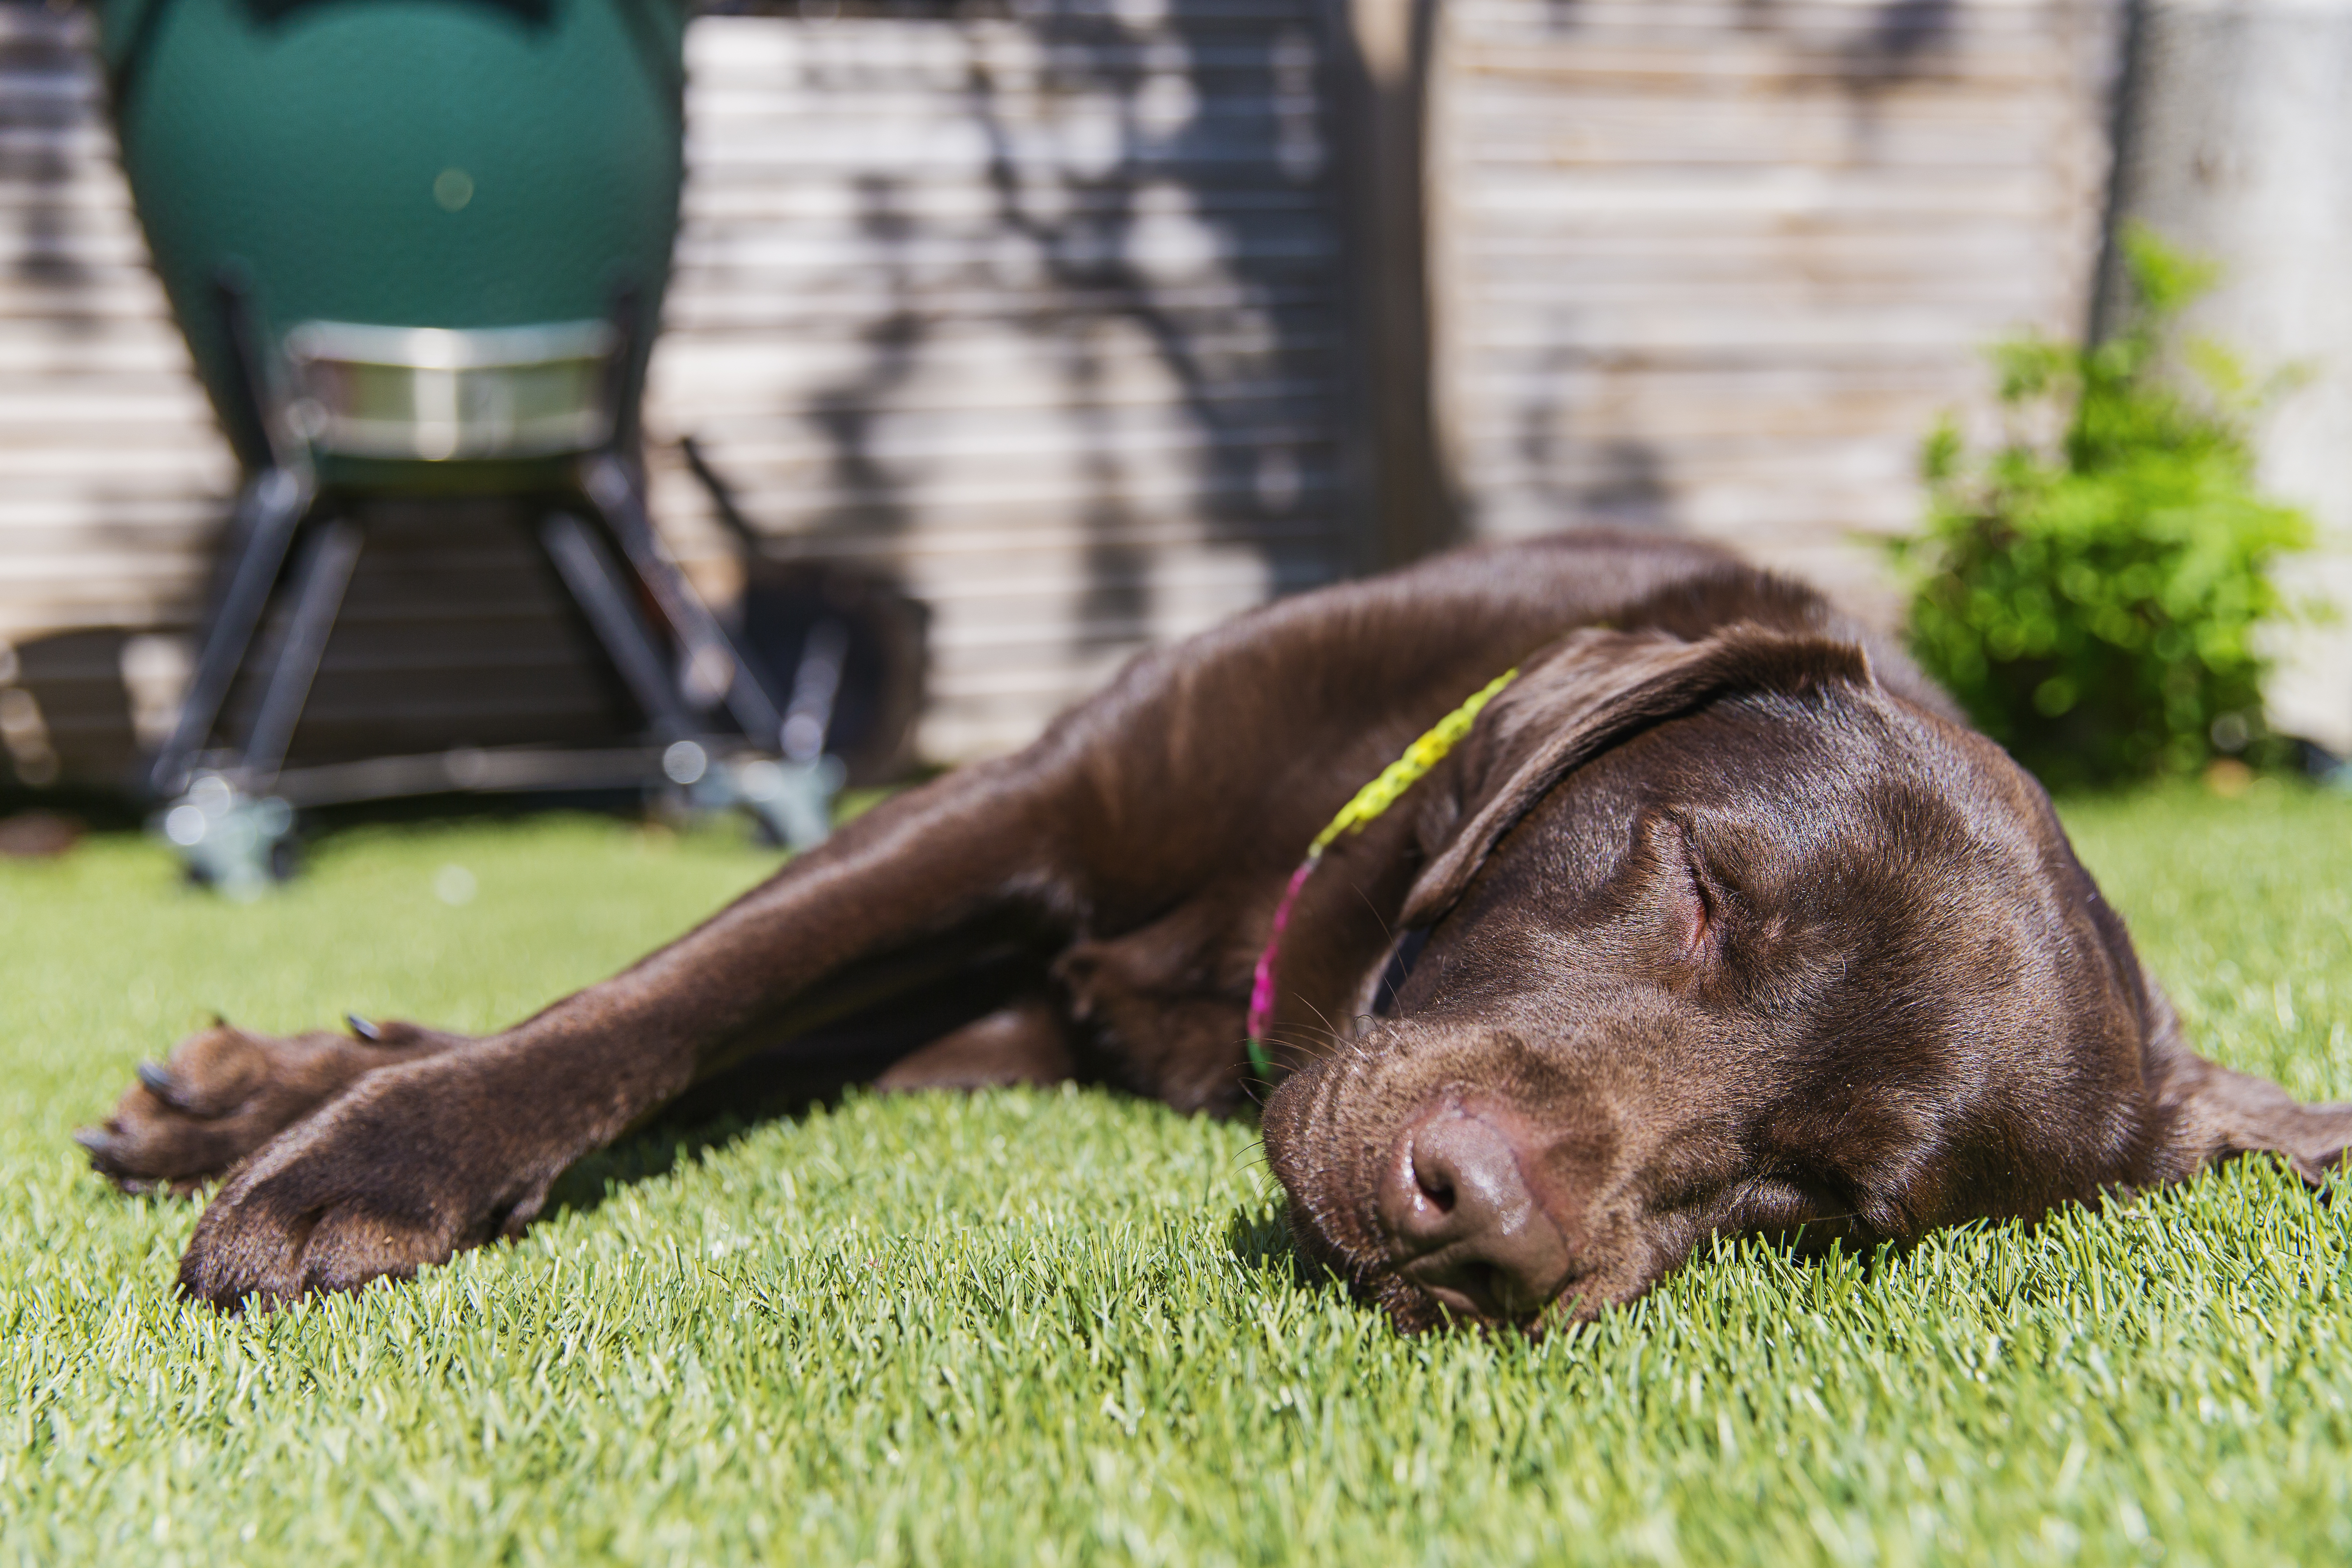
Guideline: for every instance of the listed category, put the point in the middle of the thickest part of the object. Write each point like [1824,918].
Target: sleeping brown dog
[1718,920]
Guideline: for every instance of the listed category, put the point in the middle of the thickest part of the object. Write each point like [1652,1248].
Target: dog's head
[1723,936]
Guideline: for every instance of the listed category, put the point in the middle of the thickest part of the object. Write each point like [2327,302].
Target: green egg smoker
[419,247]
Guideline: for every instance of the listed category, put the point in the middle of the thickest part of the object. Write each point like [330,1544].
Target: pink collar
[1367,803]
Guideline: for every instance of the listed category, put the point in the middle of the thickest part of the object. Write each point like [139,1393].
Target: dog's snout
[1466,1222]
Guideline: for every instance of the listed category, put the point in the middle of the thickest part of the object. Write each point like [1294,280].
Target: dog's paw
[225,1093]
[409,1166]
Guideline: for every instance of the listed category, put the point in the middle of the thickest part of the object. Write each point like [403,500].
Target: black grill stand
[229,806]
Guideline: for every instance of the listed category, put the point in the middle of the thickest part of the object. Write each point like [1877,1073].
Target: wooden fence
[1064,315]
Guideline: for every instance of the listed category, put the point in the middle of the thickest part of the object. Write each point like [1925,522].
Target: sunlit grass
[1060,1327]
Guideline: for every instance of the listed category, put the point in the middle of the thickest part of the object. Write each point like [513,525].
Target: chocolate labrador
[1715,920]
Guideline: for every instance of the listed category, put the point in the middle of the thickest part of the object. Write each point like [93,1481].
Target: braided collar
[1368,803]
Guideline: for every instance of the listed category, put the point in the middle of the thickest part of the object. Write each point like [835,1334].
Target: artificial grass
[1061,1327]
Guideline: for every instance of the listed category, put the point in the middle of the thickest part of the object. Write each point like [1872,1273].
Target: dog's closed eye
[1693,902]
[1705,904]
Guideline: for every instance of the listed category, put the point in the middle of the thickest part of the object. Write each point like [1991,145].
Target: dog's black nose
[1466,1221]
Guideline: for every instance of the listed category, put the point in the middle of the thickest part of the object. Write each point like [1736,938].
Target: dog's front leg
[415,1162]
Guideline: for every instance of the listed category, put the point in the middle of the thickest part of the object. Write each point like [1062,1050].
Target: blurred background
[1082,324]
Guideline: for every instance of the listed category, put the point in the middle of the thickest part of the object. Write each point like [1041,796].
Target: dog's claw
[108,1154]
[364,1028]
[159,1082]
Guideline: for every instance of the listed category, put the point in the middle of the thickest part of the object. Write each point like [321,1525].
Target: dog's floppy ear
[1583,694]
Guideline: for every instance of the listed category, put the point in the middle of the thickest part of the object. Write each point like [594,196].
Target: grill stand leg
[792,799]
[226,837]
[320,577]
[232,834]
[268,512]
[594,581]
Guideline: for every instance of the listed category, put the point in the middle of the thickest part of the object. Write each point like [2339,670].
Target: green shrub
[2090,589]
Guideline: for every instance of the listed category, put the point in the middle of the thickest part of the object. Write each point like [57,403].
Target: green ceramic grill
[439,219]
[420,246]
